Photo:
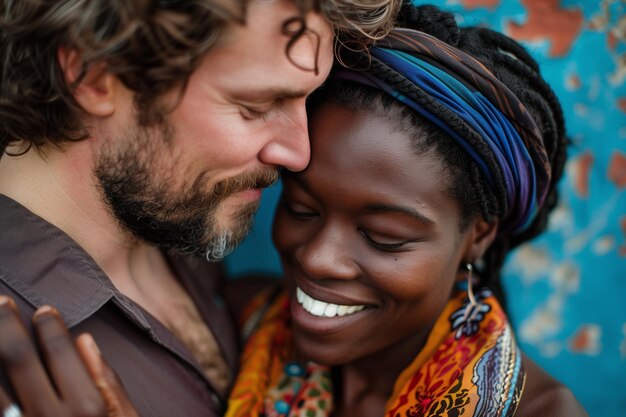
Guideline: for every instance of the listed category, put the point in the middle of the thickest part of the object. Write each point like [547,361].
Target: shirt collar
[45,266]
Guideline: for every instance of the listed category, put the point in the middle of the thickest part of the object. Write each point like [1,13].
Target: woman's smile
[320,308]
[310,314]
[325,310]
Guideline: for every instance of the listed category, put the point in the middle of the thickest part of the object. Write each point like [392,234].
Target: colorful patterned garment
[470,366]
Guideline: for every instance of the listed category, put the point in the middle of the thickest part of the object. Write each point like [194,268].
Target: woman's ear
[481,235]
[95,92]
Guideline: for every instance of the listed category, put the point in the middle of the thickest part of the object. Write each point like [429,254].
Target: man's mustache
[261,178]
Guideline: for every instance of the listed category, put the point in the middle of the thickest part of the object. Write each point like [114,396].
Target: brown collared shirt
[40,264]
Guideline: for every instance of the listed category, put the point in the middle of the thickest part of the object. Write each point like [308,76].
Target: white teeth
[331,310]
[323,309]
[318,309]
[307,303]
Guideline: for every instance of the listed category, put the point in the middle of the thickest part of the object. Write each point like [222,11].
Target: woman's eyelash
[382,246]
[297,213]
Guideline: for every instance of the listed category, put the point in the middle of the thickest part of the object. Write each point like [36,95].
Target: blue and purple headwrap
[466,101]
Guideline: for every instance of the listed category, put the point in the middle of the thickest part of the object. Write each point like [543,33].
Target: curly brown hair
[152,46]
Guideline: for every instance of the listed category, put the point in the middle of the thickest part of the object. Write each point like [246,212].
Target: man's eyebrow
[388,208]
[267,93]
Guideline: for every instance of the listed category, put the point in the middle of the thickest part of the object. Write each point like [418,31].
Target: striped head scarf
[466,101]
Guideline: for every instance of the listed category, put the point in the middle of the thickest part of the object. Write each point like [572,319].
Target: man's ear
[95,92]
[481,236]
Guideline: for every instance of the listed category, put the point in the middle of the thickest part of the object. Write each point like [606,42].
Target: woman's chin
[322,353]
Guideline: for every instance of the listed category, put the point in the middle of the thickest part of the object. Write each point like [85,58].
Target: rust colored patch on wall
[476,4]
[548,20]
[582,168]
[617,169]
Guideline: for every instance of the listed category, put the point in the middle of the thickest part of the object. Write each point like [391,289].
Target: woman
[428,164]
[432,159]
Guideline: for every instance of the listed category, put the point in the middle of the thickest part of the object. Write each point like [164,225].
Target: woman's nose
[327,255]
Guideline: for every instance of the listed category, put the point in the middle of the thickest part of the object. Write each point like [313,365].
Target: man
[135,134]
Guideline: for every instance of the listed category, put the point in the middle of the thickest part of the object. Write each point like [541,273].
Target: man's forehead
[260,62]
[275,21]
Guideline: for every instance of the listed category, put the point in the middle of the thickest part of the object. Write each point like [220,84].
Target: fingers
[29,378]
[117,402]
[5,401]
[69,373]
[22,364]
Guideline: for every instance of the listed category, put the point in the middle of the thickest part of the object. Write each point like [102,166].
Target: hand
[72,381]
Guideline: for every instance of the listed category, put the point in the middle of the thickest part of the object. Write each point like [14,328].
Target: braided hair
[513,66]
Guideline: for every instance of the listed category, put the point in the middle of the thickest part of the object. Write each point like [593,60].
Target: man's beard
[147,203]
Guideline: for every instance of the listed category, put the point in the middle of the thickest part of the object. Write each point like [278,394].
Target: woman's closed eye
[298,210]
[386,244]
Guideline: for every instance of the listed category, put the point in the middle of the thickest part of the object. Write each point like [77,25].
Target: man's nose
[289,146]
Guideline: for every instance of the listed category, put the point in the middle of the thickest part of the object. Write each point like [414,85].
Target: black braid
[513,66]
[430,20]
